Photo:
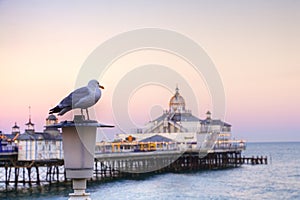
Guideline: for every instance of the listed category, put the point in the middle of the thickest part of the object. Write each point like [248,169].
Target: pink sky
[254,45]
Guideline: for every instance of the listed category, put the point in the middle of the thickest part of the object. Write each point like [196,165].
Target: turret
[29,126]
[208,115]
[15,129]
[51,120]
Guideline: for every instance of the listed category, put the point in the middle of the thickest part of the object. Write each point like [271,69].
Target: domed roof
[177,102]
[51,117]
[15,126]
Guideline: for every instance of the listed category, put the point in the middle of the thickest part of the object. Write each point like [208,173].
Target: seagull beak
[100,86]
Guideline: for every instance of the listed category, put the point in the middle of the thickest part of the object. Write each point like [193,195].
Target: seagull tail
[55,110]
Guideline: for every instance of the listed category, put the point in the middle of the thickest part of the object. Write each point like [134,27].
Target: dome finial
[177,89]
[29,111]
[29,124]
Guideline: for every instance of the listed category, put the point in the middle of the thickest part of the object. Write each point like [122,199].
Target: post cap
[79,121]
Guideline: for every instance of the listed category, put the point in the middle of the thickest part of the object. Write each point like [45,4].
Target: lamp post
[79,140]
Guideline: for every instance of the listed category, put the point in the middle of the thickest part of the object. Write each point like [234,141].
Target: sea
[279,179]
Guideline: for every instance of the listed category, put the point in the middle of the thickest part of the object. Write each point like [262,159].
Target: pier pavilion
[179,125]
[33,145]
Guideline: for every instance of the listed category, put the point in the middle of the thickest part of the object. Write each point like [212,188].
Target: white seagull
[82,98]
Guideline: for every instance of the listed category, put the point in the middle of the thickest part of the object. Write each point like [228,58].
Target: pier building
[44,145]
[179,126]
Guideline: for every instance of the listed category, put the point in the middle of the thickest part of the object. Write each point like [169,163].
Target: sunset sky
[254,45]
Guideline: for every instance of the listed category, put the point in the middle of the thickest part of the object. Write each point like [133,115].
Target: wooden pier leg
[110,170]
[50,174]
[29,175]
[105,169]
[65,174]
[118,167]
[47,174]
[53,173]
[23,168]
[6,176]
[235,159]
[240,158]
[49,171]
[217,164]
[96,168]
[9,174]
[57,173]
[37,175]
[16,176]
[101,169]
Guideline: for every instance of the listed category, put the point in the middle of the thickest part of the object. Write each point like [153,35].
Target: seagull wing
[74,97]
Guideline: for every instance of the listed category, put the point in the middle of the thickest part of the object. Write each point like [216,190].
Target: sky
[254,46]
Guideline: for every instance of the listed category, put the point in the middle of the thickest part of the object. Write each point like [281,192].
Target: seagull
[82,98]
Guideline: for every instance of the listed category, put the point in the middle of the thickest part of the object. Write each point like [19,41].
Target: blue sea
[280,179]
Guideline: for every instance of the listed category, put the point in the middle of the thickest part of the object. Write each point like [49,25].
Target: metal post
[79,139]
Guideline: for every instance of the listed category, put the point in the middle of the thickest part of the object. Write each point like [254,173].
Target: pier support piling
[79,187]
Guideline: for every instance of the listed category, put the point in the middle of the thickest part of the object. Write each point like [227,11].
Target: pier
[29,173]
[177,141]
[255,160]
[15,174]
